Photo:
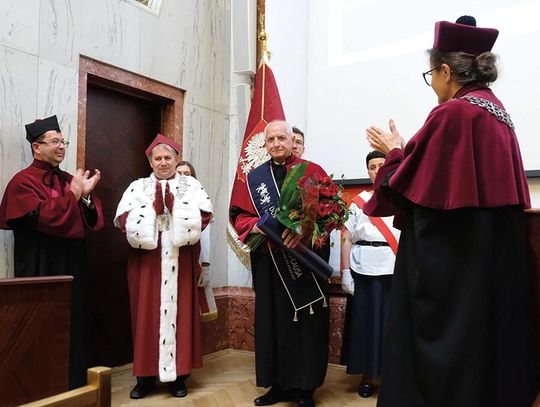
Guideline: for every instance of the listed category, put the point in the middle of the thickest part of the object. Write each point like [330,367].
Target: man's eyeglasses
[428,75]
[55,143]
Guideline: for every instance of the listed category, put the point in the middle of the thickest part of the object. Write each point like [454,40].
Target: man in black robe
[291,348]
[50,212]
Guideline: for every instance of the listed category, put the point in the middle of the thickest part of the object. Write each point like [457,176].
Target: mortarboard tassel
[311,310]
[295,319]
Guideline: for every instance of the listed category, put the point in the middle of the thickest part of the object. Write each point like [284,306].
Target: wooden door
[119,128]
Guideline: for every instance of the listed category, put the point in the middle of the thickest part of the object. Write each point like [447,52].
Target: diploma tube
[309,259]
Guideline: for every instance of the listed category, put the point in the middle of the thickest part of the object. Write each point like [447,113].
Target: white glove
[347,282]
[204,278]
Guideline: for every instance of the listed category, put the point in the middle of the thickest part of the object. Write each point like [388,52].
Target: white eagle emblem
[255,153]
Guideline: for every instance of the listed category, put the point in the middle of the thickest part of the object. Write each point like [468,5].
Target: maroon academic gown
[49,226]
[459,332]
[144,285]
[291,354]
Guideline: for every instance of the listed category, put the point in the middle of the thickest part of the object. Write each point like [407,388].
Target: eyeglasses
[55,143]
[428,75]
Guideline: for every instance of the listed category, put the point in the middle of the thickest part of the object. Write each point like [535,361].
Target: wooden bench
[96,393]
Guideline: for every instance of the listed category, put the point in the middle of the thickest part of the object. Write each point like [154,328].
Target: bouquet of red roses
[311,205]
[308,205]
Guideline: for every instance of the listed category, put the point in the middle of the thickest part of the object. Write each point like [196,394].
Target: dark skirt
[459,328]
[365,322]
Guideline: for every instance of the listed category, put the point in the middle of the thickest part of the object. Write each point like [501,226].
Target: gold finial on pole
[263,37]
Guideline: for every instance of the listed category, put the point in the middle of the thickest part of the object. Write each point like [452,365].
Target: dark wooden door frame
[102,74]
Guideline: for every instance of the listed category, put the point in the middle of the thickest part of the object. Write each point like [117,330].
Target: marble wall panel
[18,76]
[206,147]
[238,274]
[19,24]
[167,48]
[193,52]
[57,95]
[109,30]
[215,334]
[60,31]
[242,318]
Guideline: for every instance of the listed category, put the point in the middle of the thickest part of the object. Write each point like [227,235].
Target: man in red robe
[163,216]
[291,345]
[50,212]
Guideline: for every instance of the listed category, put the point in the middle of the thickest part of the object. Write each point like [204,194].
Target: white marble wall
[188,46]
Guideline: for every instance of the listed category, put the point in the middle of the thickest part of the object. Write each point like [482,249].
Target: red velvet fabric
[59,212]
[161,139]
[465,38]
[462,157]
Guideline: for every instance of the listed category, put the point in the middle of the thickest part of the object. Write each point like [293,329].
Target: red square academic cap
[40,126]
[464,36]
[161,139]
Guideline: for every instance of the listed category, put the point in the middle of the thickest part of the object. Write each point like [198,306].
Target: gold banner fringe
[238,247]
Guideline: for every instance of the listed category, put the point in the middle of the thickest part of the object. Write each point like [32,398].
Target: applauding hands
[383,141]
[82,183]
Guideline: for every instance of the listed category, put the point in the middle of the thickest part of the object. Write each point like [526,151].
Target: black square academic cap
[40,126]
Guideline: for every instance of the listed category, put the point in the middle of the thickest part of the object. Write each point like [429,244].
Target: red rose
[329,189]
[324,209]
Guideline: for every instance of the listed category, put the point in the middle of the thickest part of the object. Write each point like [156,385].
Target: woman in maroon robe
[459,329]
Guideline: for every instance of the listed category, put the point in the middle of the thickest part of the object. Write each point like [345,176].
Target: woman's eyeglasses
[428,75]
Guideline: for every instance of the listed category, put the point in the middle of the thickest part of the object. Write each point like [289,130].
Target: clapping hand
[158,199]
[82,184]
[383,141]
[169,199]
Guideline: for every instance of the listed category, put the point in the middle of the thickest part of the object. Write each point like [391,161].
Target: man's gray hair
[166,147]
[281,123]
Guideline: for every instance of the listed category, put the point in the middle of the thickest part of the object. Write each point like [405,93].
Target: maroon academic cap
[464,36]
[40,126]
[161,139]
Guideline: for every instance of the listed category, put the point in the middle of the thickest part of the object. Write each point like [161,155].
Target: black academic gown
[459,330]
[49,226]
[293,354]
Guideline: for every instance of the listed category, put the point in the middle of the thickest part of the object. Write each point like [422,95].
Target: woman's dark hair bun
[467,20]
[485,67]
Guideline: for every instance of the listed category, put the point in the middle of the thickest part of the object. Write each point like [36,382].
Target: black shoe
[140,391]
[274,396]
[366,390]
[306,403]
[178,388]
[144,386]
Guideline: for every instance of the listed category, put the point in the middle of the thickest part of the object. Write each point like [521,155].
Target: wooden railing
[96,393]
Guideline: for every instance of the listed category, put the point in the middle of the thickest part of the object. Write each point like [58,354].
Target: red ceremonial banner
[265,107]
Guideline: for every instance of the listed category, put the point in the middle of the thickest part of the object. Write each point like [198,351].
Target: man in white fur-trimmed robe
[163,216]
